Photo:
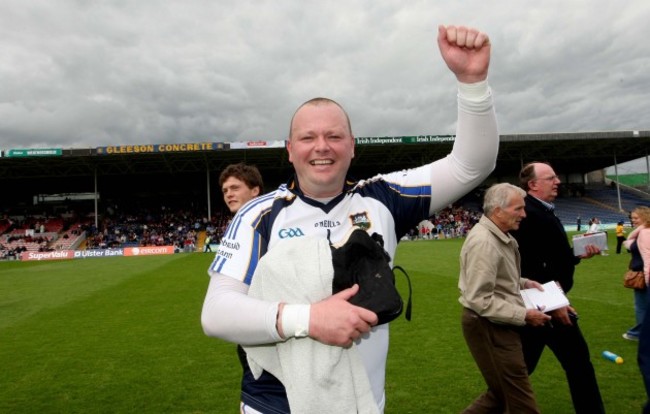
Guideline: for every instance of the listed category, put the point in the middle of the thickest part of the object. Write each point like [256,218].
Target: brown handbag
[634,279]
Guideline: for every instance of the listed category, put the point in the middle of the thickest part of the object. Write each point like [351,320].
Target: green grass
[631,179]
[122,335]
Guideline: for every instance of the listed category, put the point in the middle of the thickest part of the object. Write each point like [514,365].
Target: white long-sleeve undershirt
[230,314]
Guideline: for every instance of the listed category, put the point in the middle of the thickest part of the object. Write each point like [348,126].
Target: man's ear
[289,149]
[256,191]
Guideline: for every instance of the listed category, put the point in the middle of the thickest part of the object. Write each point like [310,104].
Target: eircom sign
[148,250]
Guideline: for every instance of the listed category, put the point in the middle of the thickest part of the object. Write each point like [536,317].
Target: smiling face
[236,193]
[321,148]
[545,184]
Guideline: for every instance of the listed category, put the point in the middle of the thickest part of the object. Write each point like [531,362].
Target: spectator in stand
[240,183]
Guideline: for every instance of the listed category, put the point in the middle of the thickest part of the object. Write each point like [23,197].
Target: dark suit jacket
[545,250]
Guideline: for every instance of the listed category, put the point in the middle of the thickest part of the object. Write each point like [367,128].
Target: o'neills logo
[230,245]
[56,255]
[327,224]
[148,250]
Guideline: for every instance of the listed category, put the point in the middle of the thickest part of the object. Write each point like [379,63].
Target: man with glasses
[546,255]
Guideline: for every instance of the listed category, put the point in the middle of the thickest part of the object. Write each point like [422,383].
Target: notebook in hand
[580,242]
[551,298]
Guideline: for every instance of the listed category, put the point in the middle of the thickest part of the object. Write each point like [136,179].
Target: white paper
[551,298]
[580,242]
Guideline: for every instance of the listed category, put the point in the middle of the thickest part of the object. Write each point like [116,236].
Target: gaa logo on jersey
[289,233]
[360,220]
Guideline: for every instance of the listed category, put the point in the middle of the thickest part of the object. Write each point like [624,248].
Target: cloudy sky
[87,73]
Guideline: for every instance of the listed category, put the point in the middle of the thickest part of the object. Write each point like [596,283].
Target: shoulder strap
[407,313]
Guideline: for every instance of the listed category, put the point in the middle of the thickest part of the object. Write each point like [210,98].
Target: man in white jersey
[321,199]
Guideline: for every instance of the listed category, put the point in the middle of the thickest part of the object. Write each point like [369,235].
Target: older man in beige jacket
[490,282]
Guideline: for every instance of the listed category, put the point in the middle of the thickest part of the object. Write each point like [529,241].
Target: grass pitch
[123,335]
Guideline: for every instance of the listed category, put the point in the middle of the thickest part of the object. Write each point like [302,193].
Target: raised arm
[467,54]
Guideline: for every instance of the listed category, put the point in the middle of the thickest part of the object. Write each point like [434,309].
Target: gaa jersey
[389,205]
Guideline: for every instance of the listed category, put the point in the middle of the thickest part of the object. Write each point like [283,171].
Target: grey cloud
[85,74]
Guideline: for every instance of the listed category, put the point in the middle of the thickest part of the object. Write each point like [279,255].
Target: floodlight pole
[207,171]
[96,219]
[618,186]
[647,168]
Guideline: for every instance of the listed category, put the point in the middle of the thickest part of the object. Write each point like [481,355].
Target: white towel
[318,378]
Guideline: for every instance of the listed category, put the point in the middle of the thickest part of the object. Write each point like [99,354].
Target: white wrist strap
[295,320]
[474,91]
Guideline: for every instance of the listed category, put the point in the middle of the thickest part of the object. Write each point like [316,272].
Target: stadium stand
[70,239]
[595,200]
[166,193]
[186,229]
[4,225]
[599,201]
[26,240]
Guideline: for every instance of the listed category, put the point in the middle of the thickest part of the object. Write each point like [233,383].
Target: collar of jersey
[294,187]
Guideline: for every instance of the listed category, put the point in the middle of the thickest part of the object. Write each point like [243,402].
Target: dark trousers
[497,351]
[619,243]
[571,350]
[643,355]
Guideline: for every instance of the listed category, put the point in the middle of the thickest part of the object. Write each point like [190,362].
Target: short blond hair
[644,214]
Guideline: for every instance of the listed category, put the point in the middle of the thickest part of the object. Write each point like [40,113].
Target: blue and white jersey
[389,205]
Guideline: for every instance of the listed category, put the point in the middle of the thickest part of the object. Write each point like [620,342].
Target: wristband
[295,320]
[474,91]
